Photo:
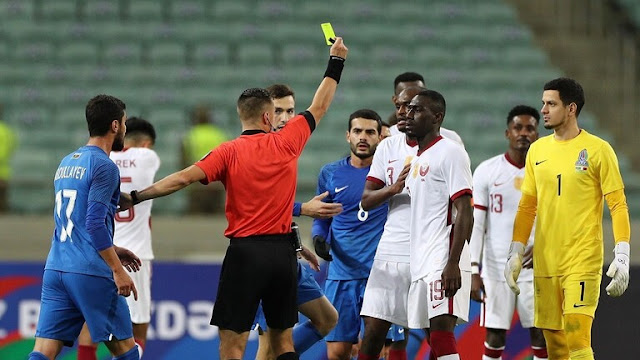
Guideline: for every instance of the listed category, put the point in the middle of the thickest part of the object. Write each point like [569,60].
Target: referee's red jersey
[259,173]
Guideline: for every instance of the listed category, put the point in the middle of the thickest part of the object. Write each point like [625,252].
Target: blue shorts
[308,289]
[346,296]
[69,299]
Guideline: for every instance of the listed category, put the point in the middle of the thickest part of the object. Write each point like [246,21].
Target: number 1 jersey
[84,176]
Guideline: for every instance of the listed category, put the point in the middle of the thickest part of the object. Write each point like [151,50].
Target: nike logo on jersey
[579,305]
[496,184]
[436,305]
[540,162]
[392,161]
[337,189]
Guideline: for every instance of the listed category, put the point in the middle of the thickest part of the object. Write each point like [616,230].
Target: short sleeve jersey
[390,157]
[84,176]
[259,172]
[569,179]
[439,175]
[138,167]
[496,191]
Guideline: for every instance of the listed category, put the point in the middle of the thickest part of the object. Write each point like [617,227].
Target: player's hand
[310,257]
[128,259]
[398,186]
[451,279]
[125,202]
[527,259]
[322,247]
[124,284]
[619,270]
[477,288]
[514,265]
[338,48]
[318,209]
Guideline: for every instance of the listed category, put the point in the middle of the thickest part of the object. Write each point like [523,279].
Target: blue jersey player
[84,276]
[349,240]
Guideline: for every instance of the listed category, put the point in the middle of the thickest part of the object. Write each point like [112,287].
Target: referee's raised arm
[324,95]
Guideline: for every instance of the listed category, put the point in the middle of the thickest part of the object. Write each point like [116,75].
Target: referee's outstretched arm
[324,95]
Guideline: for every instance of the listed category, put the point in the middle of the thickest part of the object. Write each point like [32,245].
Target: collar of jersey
[253,132]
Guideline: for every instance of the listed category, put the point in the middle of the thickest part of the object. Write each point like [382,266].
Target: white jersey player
[439,184]
[496,194]
[138,165]
[445,133]
[387,291]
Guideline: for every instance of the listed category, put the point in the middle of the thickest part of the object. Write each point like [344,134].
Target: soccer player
[349,239]
[138,165]
[385,132]
[567,176]
[259,171]
[390,276]
[311,300]
[496,193]
[439,184]
[84,274]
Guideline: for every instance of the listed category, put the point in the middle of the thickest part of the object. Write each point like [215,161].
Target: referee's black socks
[288,356]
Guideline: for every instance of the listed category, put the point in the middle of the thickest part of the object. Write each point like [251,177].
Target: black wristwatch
[134,197]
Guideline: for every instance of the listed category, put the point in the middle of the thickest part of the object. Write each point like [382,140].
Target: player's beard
[363,154]
[118,143]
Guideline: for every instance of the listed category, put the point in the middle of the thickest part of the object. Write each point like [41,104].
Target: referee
[258,170]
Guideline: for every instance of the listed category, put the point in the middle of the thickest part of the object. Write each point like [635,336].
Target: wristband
[334,68]
[134,197]
[475,269]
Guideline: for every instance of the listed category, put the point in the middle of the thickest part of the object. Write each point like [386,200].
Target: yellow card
[329,35]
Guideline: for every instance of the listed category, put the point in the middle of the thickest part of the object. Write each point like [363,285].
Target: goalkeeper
[567,176]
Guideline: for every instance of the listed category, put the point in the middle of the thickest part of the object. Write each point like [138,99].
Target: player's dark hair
[520,110]
[407,77]
[278,91]
[101,110]
[366,114]
[252,102]
[140,127]
[436,101]
[570,91]
[384,123]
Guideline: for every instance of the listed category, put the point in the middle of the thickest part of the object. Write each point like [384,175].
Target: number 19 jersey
[83,176]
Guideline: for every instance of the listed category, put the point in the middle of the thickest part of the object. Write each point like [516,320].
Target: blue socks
[35,355]
[305,336]
[132,354]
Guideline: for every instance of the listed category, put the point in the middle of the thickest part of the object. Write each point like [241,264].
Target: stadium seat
[302,53]
[78,52]
[36,52]
[102,10]
[167,53]
[145,10]
[16,9]
[188,10]
[229,10]
[122,53]
[255,53]
[275,10]
[210,53]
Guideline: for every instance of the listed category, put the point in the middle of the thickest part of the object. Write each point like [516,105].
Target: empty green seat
[59,10]
[122,53]
[145,10]
[78,52]
[255,53]
[167,53]
[101,10]
[210,53]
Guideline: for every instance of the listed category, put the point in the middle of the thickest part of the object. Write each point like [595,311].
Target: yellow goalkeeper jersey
[569,179]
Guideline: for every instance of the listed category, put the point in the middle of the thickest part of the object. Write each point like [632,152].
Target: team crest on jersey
[517,182]
[582,165]
[76,155]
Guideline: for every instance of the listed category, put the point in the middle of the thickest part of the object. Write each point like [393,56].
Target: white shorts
[387,293]
[141,310]
[427,300]
[500,302]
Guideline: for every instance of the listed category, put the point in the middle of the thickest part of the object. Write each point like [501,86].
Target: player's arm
[317,208]
[376,193]
[476,244]
[619,267]
[451,279]
[320,228]
[327,89]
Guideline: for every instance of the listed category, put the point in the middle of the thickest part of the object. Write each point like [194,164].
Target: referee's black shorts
[257,268]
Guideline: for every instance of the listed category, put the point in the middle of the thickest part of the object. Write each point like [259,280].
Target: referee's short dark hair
[100,111]
[252,102]
[520,110]
[366,114]
[137,127]
[278,91]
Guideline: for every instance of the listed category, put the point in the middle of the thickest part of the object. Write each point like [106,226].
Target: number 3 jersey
[439,175]
[138,167]
[496,194]
[354,233]
[84,176]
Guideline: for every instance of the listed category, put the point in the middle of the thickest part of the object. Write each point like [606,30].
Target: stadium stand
[163,57]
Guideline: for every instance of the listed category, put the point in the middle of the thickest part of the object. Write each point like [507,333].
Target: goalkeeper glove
[322,248]
[619,270]
[514,265]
